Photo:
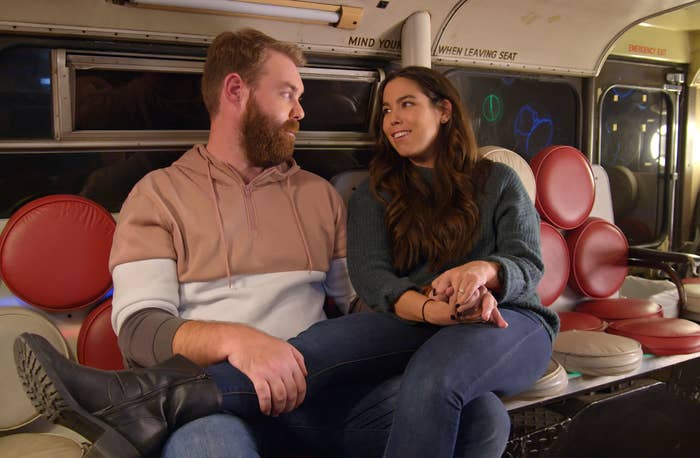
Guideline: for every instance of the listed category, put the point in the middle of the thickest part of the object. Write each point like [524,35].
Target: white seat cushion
[553,381]
[692,306]
[39,446]
[515,162]
[16,410]
[595,353]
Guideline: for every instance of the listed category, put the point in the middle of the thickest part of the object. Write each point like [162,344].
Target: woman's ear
[446,111]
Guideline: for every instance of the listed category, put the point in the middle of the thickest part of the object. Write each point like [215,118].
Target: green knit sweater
[510,236]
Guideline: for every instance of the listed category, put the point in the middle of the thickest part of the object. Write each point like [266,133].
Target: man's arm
[145,317]
[275,367]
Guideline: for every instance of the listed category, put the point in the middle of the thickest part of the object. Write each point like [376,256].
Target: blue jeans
[355,353]
[353,421]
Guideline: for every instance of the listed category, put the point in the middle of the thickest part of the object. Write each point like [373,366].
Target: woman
[435,219]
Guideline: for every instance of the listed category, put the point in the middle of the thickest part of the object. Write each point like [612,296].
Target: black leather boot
[126,413]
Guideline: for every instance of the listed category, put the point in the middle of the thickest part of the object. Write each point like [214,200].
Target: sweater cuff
[146,337]
[509,276]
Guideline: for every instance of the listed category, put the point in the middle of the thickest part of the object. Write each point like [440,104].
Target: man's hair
[243,52]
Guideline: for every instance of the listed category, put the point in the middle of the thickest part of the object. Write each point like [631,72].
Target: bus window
[25,93]
[144,100]
[105,177]
[521,114]
[634,150]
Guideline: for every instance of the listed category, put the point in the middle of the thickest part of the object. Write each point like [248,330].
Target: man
[220,258]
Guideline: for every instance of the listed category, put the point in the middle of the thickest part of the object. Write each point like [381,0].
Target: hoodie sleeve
[143,232]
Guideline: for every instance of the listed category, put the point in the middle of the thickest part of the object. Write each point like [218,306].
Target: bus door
[638,145]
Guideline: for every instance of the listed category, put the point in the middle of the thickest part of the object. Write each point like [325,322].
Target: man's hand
[276,369]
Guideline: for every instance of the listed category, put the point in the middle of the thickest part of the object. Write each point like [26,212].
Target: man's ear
[446,109]
[234,89]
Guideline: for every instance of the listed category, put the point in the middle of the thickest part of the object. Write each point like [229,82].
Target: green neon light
[492,108]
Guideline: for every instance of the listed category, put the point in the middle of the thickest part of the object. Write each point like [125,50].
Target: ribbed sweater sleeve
[369,253]
[509,236]
[516,234]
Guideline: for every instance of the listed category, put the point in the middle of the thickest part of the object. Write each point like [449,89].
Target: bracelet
[422,309]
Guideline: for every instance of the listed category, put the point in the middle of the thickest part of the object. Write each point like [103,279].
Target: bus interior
[94,94]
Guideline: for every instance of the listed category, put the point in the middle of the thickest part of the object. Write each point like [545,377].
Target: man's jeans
[443,407]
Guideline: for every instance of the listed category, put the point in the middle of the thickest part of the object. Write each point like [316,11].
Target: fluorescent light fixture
[345,17]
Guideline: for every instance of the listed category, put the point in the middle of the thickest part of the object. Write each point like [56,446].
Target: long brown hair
[438,221]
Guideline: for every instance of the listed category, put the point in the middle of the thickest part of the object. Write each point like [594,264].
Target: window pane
[25,93]
[336,106]
[105,177]
[633,152]
[523,115]
[127,100]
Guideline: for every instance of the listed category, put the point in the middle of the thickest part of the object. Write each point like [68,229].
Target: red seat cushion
[620,309]
[570,321]
[54,252]
[661,336]
[565,186]
[97,342]
[598,253]
[555,256]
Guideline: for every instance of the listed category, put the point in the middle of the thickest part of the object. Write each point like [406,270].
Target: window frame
[65,63]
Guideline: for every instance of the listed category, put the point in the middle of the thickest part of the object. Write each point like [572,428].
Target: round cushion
[553,381]
[515,162]
[54,252]
[16,409]
[97,342]
[555,256]
[661,336]
[598,252]
[565,186]
[39,445]
[617,309]
[692,294]
[623,188]
[580,322]
[595,353]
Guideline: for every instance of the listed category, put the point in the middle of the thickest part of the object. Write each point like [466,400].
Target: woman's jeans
[443,406]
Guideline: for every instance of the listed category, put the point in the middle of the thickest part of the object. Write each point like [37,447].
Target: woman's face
[412,121]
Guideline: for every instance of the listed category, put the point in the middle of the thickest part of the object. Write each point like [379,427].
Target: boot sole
[52,399]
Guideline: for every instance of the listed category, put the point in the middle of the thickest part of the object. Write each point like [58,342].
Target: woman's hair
[436,222]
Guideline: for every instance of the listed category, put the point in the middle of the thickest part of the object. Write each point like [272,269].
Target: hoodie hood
[224,174]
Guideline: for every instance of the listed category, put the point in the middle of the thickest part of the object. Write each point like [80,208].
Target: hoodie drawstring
[298,222]
[220,220]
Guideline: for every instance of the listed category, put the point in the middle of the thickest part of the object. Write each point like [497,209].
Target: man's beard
[266,143]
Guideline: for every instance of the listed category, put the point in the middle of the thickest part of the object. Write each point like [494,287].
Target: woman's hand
[465,281]
[439,313]
[484,310]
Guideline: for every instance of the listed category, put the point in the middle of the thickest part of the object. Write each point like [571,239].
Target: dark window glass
[330,163]
[127,100]
[105,177]
[522,115]
[25,93]
[336,106]
[634,148]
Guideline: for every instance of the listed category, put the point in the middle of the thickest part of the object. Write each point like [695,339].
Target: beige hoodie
[195,240]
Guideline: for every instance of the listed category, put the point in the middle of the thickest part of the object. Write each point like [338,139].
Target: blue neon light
[527,122]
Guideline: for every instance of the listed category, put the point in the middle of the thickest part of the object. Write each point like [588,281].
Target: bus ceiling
[534,36]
